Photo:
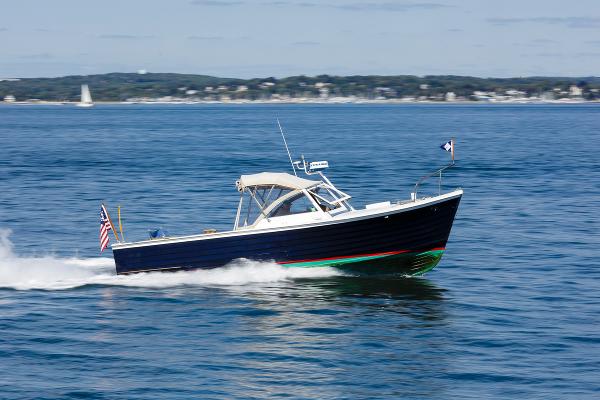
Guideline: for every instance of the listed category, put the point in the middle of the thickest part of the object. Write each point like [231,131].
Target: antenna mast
[286,147]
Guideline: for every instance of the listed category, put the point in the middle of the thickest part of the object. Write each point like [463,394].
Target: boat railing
[437,173]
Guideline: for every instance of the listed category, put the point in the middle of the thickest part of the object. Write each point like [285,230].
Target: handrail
[423,178]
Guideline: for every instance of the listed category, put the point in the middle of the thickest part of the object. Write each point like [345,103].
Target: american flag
[104,228]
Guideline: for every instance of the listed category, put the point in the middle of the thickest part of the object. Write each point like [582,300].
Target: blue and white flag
[449,146]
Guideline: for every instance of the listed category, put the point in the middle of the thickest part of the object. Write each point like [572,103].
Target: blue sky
[259,38]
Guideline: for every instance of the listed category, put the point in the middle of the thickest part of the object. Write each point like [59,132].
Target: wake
[54,273]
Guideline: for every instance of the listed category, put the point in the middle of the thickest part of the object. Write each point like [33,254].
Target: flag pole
[452,148]
[111,223]
[120,225]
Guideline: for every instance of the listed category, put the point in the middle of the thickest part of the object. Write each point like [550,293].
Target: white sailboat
[86,97]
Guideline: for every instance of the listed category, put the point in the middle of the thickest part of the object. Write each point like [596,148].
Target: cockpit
[279,199]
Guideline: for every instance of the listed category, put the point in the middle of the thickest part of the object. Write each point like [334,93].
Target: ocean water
[511,312]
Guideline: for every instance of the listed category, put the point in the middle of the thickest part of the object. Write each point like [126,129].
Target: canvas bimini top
[280,179]
[267,197]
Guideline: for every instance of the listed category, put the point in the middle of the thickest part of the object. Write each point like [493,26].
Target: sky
[262,38]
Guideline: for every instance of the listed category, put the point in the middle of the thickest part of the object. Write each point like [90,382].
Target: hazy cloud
[292,3]
[208,38]
[389,6]
[548,55]
[568,55]
[123,37]
[3,29]
[569,22]
[536,43]
[39,56]
[217,3]
[306,43]
[587,54]
[362,6]
[543,41]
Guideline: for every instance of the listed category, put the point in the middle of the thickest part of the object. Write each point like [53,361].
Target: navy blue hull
[417,231]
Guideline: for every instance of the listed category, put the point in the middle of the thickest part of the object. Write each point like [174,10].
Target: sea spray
[54,273]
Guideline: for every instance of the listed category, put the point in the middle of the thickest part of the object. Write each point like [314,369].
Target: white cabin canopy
[268,195]
[280,179]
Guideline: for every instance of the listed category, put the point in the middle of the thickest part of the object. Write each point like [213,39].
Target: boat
[308,222]
[86,97]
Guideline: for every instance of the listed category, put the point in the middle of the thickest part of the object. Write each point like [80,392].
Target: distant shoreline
[274,102]
[167,88]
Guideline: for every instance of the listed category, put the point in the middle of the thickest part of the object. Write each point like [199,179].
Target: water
[512,311]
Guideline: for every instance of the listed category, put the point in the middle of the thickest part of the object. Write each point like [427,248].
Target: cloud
[39,56]
[357,6]
[536,43]
[3,29]
[124,37]
[208,38]
[543,41]
[217,3]
[548,55]
[568,56]
[278,3]
[306,43]
[587,54]
[569,22]
[389,6]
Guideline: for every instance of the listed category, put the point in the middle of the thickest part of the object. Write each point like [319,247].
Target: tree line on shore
[123,86]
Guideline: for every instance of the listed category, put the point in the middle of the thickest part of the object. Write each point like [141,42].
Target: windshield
[257,199]
[298,204]
[326,200]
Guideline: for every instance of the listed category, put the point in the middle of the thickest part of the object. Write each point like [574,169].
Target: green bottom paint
[410,263]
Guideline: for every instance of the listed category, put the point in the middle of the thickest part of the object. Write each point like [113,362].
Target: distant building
[142,72]
[450,96]
[515,93]
[9,98]
[575,91]
[424,86]
[191,92]
[323,92]
[265,85]
[548,96]
[242,88]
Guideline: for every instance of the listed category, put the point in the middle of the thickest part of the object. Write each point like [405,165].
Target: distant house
[265,85]
[450,96]
[9,98]
[575,91]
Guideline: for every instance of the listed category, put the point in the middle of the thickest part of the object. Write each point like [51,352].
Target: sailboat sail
[86,97]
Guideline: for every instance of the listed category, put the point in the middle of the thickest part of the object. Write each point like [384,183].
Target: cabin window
[298,204]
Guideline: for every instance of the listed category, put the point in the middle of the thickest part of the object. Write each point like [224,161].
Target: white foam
[54,273]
